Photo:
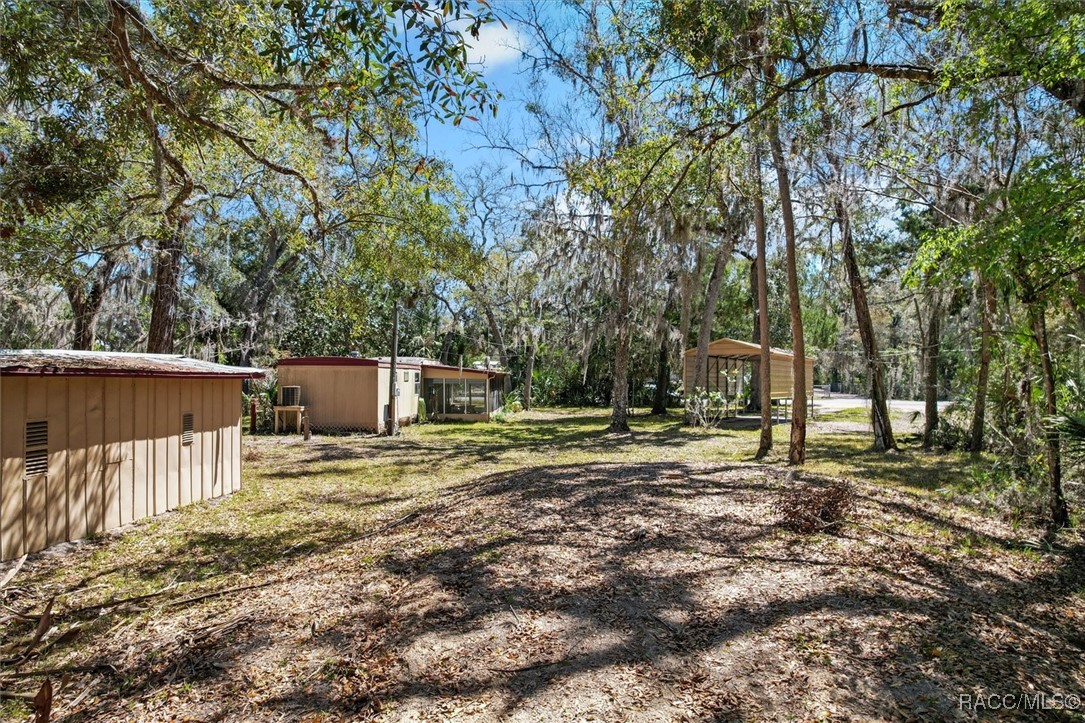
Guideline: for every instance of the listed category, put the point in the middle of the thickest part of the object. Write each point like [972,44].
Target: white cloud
[496,46]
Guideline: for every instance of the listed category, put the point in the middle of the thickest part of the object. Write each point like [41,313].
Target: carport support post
[392,426]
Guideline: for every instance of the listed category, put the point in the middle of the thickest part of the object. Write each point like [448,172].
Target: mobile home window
[186,429]
[37,448]
[406,375]
[417,383]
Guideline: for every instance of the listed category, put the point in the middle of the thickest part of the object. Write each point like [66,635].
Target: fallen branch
[66,670]
[45,622]
[123,601]
[9,695]
[216,593]
[394,523]
[894,538]
[528,668]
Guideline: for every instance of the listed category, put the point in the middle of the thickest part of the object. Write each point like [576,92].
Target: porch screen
[455,396]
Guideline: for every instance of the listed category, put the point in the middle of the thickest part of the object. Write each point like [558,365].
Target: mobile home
[351,393]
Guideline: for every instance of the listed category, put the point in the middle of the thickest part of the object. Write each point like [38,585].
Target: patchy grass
[545,569]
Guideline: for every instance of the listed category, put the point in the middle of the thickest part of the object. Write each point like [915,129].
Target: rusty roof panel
[64,362]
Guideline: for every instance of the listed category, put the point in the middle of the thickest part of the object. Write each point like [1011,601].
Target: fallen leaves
[610,591]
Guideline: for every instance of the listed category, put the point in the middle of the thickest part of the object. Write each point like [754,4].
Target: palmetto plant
[1071,430]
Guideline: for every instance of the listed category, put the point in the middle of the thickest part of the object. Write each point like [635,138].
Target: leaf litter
[587,591]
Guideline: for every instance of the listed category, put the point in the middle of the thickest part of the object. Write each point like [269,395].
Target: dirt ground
[587,590]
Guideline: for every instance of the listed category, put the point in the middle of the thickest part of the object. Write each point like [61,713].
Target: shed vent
[37,448]
[290,396]
[186,429]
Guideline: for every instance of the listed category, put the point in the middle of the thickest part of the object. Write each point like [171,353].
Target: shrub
[265,392]
[704,408]
[954,430]
[514,402]
[815,506]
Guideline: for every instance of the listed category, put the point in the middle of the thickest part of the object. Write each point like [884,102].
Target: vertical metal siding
[115,453]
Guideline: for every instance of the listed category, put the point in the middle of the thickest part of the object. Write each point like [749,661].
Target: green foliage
[705,408]
[1039,39]
[1029,238]
[1071,429]
[265,392]
[514,402]
[55,161]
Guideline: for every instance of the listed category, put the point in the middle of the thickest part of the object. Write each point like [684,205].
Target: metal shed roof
[402,362]
[65,362]
[735,349]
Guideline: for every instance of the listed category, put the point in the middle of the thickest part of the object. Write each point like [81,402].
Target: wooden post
[393,421]
[252,416]
[305,427]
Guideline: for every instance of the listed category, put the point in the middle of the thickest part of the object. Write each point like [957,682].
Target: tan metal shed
[90,441]
[728,370]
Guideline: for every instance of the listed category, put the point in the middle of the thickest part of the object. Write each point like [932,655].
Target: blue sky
[498,52]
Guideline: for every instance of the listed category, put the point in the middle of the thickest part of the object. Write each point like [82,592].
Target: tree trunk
[765,358]
[392,427]
[755,379]
[619,418]
[931,352]
[685,312]
[84,316]
[796,453]
[879,407]
[87,303]
[1078,302]
[712,296]
[495,328]
[1059,513]
[529,371]
[250,336]
[499,338]
[663,377]
[987,328]
[167,275]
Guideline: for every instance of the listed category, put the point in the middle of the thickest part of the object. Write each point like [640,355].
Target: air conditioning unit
[289,396]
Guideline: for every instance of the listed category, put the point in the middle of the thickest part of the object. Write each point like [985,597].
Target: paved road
[850,401]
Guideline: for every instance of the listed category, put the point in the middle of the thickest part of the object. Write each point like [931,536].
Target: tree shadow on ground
[543,587]
[473,442]
[911,467]
[664,589]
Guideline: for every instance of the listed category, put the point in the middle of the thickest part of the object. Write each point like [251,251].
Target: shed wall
[115,453]
[336,397]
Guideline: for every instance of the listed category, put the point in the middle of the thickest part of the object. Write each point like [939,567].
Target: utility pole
[392,427]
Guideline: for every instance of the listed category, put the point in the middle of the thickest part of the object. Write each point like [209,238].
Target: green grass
[309,498]
[852,414]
